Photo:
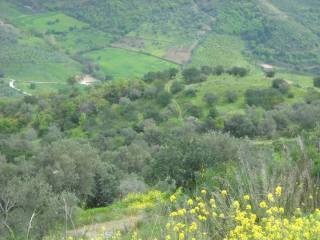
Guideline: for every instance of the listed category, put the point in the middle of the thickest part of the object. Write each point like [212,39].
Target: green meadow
[49,23]
[216,49]
[121,63]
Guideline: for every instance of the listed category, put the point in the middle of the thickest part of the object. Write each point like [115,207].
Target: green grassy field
[216,49]
[49,23]
[219,85]
[123,64]
[82,40]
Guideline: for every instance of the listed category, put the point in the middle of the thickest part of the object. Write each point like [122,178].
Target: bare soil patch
[180,55]
[130,42]
[86,80]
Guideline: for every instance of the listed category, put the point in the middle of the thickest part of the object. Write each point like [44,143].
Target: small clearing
[180,55]
[130,42]
[86,80]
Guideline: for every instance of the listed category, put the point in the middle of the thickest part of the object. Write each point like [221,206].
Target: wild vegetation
[183,131]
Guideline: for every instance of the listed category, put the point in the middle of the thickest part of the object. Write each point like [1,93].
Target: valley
[159,119]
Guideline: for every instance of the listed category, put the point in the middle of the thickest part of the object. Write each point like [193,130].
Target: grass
[49,23]
[8,10]
[28,58]
[132,204]
[82,40]
[216,49]
[122,64]
[219,85]
[115,211]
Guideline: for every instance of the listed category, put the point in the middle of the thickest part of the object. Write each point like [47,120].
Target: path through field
[11,85]
[106,229]
[273,10]
[177,106]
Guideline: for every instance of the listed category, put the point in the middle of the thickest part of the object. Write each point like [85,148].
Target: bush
[231,96]
[240,126]
[164,98]
[32,86]
[193,75]
[270,74]
[176,87]
[161,75]
[316,82]
[282,85]
[266,98]
[190,92]
[210,98]
[2,75]
[312,95]
[194,110]
[206,70]
[172,73]
[238,71]
[219,70]
[213,113]
[150,77]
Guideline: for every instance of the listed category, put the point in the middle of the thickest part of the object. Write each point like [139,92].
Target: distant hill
[285,33]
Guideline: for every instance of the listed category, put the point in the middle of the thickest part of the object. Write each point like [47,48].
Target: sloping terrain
[270,31]
[58,37]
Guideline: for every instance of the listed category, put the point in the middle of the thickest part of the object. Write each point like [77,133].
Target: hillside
[267,31]
[169,120]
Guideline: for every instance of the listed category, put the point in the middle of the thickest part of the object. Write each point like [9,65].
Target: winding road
[11,85]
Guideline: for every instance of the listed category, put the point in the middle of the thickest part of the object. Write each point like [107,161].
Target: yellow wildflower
[173,198]
[246,197]
[263,204]
[224,193]
[278,191]
[190,202]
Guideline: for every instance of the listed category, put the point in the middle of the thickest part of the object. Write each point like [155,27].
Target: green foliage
[316,82]
[282,85]
[231,96]
[266,98]
[210,99]
[177,86]
[193,75]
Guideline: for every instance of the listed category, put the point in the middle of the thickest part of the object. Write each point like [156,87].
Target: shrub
[270,74]
[316,82]
[164,98]
[194,110]
[231,96]
[206,70]
[210,98]
[213,112]
[282,85]
[312,95]
[193,75]
[32,86]
[2,75]
[190,92]
[238,71]
[161,75]
[266,98]
[176,87]
[219,70]
[240,126]
[172,73]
